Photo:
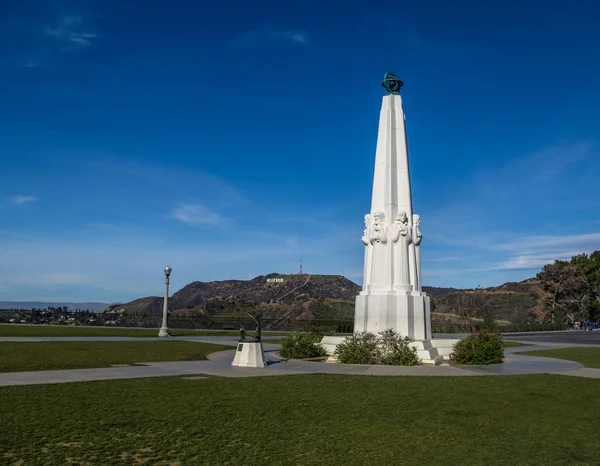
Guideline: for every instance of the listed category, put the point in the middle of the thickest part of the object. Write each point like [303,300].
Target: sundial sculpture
[257,332]
[249,352]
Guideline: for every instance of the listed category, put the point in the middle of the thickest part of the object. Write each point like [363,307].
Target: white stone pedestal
[407,313]
[249,354]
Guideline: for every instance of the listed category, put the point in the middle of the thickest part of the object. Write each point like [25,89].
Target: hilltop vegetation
[318,297]
[561,292]
[329,297]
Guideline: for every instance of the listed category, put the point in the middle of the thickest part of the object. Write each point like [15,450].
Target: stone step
[329,343]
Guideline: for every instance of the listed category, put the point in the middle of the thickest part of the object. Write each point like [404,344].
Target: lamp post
[164,330]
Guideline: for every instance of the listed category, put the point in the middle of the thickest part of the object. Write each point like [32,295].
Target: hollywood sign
[274,280]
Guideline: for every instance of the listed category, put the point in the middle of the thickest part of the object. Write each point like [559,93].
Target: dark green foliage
[302,345]
[480,349]
[331,327]
[568,290]
[359,348]
[332,310]
[388,348]
[489,323]
[396,351]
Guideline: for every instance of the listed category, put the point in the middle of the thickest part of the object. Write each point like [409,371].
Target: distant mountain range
[327,297]
[299,296]
[43,305]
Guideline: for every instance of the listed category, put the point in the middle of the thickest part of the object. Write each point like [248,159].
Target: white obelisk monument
[392,296]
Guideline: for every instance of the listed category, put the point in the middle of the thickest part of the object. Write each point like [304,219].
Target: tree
[568,290]
[590,268]
[469,305]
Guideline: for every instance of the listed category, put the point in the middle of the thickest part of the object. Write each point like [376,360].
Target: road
[570,337]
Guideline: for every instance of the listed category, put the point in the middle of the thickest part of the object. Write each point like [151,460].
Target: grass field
[14,330]
[87,354]
[305,419]
[588,356]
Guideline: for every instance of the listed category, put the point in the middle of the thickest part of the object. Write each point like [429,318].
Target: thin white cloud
[443,259]
[297,37]
[256,38]
[197,214]
[18,200]
[71,29]
[533,261]
[533,252]
[30,64]
[550,243]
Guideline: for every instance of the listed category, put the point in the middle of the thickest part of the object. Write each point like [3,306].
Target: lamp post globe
[164,329]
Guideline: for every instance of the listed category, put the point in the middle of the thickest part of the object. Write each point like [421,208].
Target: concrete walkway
[219,364]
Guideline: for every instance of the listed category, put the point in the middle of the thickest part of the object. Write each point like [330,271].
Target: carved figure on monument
[417,238]
[403,238]
[366,233]
[378,253]
[368,251]
[379,228]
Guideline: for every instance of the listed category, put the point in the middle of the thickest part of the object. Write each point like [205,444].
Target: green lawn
[305,419]
[588,356]
[15,330]
[87,354]
[513,344]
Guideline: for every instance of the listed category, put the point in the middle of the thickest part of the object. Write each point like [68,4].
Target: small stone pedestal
[249,353]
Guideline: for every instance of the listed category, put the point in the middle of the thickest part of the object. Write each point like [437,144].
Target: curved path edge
[219,364]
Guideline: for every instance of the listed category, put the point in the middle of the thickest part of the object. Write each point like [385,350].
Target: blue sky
[228,139]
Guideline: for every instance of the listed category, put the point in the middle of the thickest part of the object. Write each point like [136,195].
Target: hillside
[276,295]
[319,297]
[508,302]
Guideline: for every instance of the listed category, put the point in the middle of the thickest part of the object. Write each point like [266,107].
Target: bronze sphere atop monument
[392,83]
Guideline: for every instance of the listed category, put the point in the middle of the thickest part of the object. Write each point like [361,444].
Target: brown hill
[322,297]
[228,294]
[274,295]
[508,302]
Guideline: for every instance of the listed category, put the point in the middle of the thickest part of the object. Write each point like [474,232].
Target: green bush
[396,351]
[480,349]
[388,348]
[302,345]
[359,348]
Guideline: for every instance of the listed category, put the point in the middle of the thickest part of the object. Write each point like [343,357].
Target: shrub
[480,349]
[396,351]
[302,345]
[359,348]
[388,348]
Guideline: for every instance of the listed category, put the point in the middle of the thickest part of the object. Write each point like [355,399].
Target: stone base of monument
[430,352]
[407,312]
[249,353]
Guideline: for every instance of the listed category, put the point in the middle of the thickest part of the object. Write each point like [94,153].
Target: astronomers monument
[392,296]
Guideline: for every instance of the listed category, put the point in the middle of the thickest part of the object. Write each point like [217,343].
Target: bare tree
[470,304]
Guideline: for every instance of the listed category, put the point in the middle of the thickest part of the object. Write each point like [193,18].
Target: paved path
[219,364]
[570,337]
